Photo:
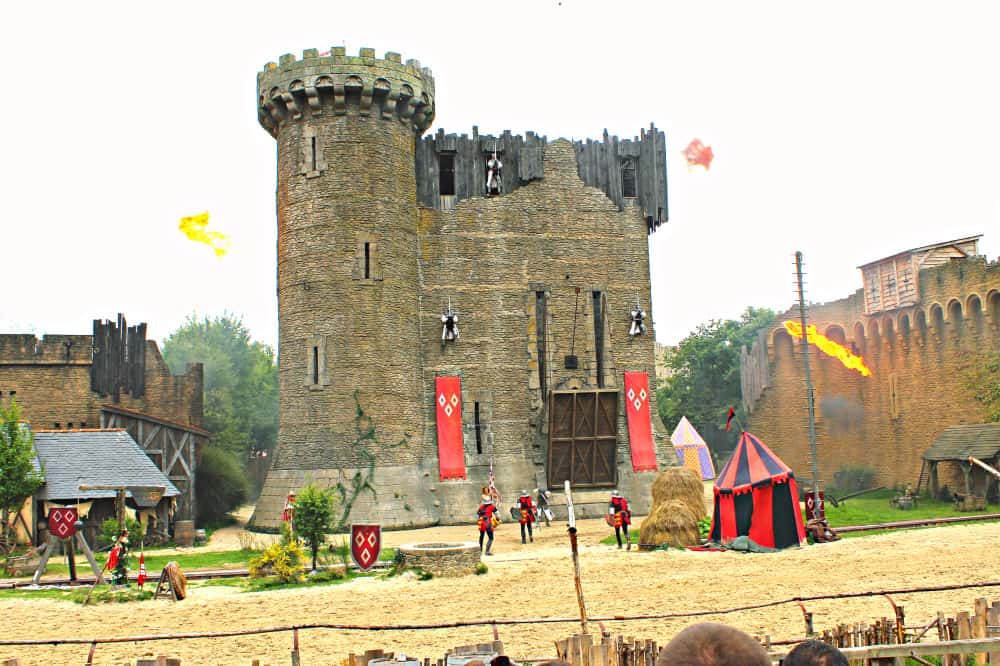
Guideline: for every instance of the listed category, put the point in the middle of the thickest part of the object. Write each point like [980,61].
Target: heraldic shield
[366,545]
[62,521]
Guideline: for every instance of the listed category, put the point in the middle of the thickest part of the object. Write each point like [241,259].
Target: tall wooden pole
[810,398]
[576,559]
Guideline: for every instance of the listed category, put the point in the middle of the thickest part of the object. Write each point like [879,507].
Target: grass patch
[875,508]
[102,595]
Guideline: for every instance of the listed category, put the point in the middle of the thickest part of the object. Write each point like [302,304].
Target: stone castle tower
[380,232]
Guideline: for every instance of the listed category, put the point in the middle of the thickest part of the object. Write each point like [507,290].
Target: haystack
[680,483]
[672,523]
[678,504]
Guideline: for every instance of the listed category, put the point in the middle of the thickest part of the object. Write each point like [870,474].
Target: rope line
[486,622]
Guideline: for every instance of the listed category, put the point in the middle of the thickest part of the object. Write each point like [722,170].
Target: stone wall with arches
[921,358]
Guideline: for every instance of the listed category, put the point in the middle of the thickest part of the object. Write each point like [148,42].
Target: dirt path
[535,581]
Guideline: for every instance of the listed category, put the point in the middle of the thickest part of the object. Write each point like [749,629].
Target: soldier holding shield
[620,516]
[527,508]
[486,513]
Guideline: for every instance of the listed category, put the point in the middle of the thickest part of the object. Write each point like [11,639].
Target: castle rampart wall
[921,359]
[50,378]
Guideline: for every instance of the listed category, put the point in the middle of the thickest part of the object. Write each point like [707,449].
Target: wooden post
[295,647]
[979,628]
[576,559]
[85,549]
[993,629]
[71,559]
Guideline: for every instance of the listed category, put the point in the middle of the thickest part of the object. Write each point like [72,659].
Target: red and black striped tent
[756,496]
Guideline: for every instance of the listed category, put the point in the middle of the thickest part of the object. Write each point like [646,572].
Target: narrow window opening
[13,393]
[599,337]
[479,430]
[56,426]
[541,315]
[312,153]
[83,424]
[315,365]
[368,260]
[446,176]
[70,425]
[628,179]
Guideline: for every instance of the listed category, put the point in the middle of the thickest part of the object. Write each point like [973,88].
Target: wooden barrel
[184,532]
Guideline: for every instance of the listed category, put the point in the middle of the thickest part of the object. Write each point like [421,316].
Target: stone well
[441,559]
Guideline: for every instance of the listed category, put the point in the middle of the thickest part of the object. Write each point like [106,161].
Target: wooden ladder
[925,474]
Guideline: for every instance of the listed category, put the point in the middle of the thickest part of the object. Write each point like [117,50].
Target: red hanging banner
[448,399]
[640,429]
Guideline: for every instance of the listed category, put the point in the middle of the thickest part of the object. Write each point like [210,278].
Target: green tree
[705,379]
[220,486]
[314,517]
[18,478]
[241,381]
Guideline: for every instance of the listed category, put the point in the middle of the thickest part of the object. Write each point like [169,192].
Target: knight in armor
[638,326]
[449,330]
[486,514]
[621,517]
[542,500]
[527,507]
[494,175]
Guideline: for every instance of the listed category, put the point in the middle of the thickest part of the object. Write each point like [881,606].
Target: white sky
[848,130]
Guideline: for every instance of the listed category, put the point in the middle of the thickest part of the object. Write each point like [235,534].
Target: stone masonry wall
[51,380]
[921,358]
[490,257]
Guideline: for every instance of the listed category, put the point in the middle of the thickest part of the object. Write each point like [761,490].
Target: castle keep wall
[490,258]
[921,358]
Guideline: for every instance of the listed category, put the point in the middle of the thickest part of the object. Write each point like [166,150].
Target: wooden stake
[576,559]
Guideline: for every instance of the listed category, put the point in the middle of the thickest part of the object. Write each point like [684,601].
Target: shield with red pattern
[366,545]
[62,521]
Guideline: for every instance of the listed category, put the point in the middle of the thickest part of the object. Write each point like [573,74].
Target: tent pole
[809,386]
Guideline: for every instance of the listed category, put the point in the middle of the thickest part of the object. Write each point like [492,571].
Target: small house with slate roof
[955,445]
[99,457]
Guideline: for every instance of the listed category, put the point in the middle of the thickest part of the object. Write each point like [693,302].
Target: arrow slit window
[316,375]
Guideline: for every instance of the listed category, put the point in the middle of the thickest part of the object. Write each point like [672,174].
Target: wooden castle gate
[172,446]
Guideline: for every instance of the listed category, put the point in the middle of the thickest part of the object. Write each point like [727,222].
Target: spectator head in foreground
[708,644]
[815,653]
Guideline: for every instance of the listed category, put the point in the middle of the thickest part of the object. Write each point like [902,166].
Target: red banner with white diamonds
[448,400]
[366,545]
[640,429]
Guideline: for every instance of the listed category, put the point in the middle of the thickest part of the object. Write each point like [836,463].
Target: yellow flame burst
[828,346]
[194,228]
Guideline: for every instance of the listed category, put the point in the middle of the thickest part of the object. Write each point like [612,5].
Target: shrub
[705,527]
[109,531]
[849,479]
[284,560]
[314,508]
[220,486]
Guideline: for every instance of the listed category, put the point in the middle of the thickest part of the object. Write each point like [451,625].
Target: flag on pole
[142,569]
[113,557]
[729,420]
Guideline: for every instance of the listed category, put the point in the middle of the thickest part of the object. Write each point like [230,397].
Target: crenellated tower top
[336,83]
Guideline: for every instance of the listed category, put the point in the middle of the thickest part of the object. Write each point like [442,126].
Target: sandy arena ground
[534,580]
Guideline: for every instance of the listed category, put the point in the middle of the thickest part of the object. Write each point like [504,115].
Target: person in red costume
[622,517]
[527,507]
[486,517]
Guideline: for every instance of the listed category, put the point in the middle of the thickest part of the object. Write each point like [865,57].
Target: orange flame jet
[829,347]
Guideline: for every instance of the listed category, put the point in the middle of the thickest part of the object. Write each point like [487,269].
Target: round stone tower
[348,282]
